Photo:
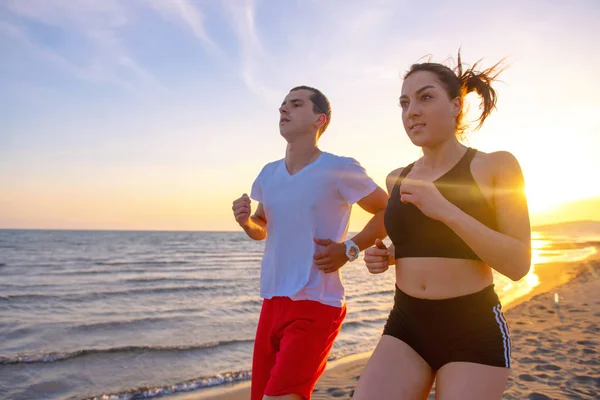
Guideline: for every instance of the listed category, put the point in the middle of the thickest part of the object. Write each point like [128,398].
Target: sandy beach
[555,344]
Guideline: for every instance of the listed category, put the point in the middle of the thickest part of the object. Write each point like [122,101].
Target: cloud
[92,28]
[102,50]
[192,16]
[252,53]
[41,53]
[248,58]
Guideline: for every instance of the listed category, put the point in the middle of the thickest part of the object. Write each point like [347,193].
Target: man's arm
[374,203]
[255,225]
[333,256]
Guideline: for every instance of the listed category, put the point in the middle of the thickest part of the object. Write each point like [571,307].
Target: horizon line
[222,231]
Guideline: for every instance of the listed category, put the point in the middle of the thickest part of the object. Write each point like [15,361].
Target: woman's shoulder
[392,178]
[495,163]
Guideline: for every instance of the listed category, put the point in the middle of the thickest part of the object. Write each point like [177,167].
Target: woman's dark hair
[460,82]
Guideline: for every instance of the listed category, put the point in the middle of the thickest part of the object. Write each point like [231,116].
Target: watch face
[352,250]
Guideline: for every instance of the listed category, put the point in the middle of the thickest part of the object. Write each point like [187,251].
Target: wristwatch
[352,250]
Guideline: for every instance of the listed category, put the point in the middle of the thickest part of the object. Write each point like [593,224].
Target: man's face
[296,115]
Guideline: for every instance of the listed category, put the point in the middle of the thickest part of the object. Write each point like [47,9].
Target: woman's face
[428,114]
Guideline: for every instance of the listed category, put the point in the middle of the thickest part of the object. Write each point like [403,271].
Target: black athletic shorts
[468,328]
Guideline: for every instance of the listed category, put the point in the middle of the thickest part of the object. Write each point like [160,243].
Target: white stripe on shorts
[505,335]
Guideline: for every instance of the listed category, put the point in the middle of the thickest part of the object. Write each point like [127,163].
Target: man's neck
[299,155]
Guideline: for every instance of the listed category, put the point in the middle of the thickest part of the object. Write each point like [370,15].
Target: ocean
[138,315]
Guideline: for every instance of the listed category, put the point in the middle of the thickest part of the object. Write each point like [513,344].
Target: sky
[157,114]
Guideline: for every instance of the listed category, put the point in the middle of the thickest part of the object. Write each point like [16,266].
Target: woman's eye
[425,97]
[403,103]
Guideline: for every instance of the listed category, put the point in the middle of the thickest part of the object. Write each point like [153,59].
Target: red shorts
[293,340]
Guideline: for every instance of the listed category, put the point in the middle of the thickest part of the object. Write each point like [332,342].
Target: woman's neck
[443,156]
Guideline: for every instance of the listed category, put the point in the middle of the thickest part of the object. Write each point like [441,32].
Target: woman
[453,215]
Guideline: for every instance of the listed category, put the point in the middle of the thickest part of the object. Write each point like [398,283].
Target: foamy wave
[40,358]
[193,384]
[371,294]
[154,263]
[78,297]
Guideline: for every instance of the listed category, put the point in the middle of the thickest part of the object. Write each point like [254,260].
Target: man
[304,204]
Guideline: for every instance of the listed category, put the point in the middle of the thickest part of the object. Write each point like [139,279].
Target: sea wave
[51,357]
[187,386]
[106,294]
[148,263]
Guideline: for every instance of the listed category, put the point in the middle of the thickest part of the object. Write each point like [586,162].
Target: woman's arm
[507,250]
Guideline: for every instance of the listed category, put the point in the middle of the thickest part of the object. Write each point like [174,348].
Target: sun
[547,187]
[540,200]
[553,200]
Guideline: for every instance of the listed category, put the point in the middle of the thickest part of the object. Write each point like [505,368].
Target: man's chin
[285,132]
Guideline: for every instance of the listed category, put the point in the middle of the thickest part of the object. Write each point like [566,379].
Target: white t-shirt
[314,202]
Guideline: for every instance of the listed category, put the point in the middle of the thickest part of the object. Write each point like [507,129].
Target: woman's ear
[456,106]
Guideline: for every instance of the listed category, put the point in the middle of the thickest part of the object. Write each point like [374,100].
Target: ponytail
[480,82]
[459,83]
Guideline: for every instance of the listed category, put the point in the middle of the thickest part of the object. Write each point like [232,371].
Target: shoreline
[551,276]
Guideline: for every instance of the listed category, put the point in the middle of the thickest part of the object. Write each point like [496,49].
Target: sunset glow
[156,115]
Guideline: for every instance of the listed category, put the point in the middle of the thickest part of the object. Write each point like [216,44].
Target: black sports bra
[416,235]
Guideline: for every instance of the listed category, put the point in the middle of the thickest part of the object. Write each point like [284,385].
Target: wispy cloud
[324,41]
[249,58]
[193,17]
[41,53]
[252,53]
[101,54]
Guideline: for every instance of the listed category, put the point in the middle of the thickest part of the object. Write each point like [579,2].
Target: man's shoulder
[271,166]
[339,160]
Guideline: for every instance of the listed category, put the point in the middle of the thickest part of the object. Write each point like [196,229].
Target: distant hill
[586,225]
[581,211]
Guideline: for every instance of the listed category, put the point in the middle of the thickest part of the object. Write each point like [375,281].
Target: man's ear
[320,121]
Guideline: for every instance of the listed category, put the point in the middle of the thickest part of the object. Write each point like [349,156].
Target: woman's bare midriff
[441,278]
